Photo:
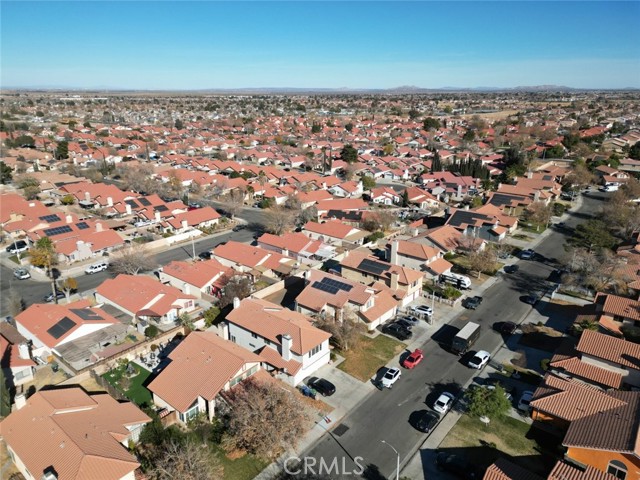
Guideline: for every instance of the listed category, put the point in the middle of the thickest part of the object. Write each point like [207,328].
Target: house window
[314,350]
[189,414]
[617,469]
[254,335]
[233,338]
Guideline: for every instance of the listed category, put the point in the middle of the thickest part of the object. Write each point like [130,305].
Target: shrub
[151,331]
[451,293]
[375,236]
[544,364]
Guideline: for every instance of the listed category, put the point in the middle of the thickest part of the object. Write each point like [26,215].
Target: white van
[458,281]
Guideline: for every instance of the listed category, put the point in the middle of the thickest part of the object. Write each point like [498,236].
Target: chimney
[109,201]
[394,281]
[87,196]
[157,215]
[23,351]
[459,191]
[184,224]
[20,400]
[536,196]
[393,258]
[69,219]
[286,347]
[98,227]
[236,302]
[529,175]
[128,209]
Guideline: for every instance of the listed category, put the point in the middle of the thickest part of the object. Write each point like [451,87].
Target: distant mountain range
[402,90]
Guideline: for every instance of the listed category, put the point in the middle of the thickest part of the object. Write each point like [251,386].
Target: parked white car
[479,360]
[21,273]
[96,267]
[390,377]
[444,402]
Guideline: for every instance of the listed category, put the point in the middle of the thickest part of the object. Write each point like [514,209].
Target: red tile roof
[612,349]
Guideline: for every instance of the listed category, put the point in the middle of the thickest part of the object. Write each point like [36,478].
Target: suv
[18,247]
[397,331]
[527,254]
[96,267]
[472,302]
[423,309]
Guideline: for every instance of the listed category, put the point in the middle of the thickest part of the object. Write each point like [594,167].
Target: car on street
[397,331]
[237,228]
[525,400]
[413,359]
[511,268]
[457,465]
[403,323]
[17,247]
[527,254]
[206,255]
[479,360]
[96,268]
[49,298]
[322,386]
[443,402]
[505,328]
[427,421]
[411,319]
[531,299]
[472,303]
[390,377]
[21,273]
[422,310]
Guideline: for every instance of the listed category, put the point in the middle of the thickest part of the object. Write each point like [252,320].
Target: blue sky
[206,44]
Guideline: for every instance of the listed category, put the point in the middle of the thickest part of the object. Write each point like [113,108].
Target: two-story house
[196,278]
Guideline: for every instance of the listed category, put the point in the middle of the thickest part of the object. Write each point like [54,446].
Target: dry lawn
[369,356]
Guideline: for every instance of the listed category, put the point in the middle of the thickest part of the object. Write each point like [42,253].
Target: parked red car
[413,359]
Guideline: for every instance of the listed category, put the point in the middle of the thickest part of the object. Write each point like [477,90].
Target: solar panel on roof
[61,328]
[337,284]
[161,208]
[323,287]
[144,202]
[132,203]
[50,218]
[370,266]
[51,232]
[86,313]
[82,225]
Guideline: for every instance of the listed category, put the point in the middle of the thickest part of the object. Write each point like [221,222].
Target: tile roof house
[199,218]
[476,224]
[418,256]
[503,469]
[201,366]
[50,326]
[69,434]
[614,311]
[567,471]
[15,356]
[404,283]
[335,232]
[252,260]
[298,246]
[195,278]
[145,298]
[285,340]
[333,296]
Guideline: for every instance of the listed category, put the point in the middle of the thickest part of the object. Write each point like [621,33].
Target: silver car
[21,273]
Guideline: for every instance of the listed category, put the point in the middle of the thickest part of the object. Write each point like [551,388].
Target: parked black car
[456,464]
[397,331]
[427,421]
[49,298]
[404,323]
[472,302]
[322,386]
[205,255]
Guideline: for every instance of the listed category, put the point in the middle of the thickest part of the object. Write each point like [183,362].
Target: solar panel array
[61,328]
[144,202]
[375,268]
[331,286]
[82,225]
[161,208]
[50,218]
[86,313]
[132,203]
[52,232]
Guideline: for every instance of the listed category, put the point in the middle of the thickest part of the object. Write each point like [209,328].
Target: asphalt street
[385,415]
[33,291]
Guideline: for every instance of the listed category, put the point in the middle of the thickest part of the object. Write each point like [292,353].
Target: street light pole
[397,459]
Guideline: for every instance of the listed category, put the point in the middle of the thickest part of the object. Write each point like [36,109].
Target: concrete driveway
[349,391]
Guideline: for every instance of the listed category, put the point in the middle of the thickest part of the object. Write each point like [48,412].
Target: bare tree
[282,416]
[186,459]
[132,260]
[233,202]
[622,214]
[539,213]
[234,286]
[482,260]
[278,220]
[601,270]
[346,334]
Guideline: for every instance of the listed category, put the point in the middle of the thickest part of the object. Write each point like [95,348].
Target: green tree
[316,128]
[211,315]
[469,136]
[6,173]
[44,255]
[555,152]
[349,154]
[151,331]
[349,127]
[634,151]
[178,124]
[485,402]
[405,198]
[5,397]
[436,163]
[431,123]
[62,150]
[68,199]
[368,182]
[593,235]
